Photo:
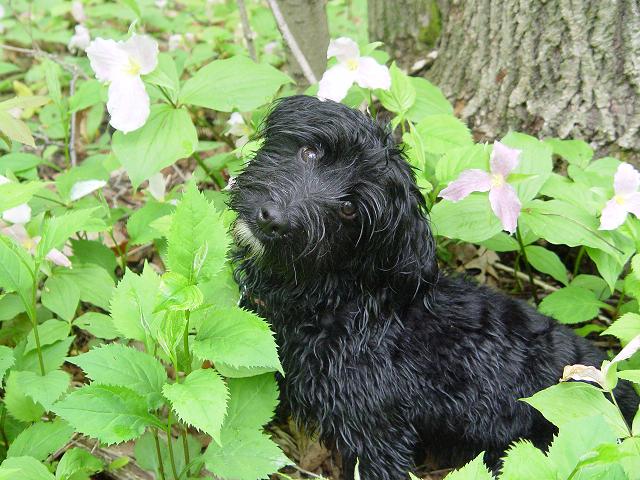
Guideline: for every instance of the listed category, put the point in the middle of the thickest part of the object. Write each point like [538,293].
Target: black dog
[383,356]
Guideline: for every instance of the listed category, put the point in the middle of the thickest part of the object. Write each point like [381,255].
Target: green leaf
[53,356]
[474,470]
[90,92]
[93,252]
[139,224]
[116,364]
[133,304]
[401,96]
[24,468]
[501,242]
[19,162]
[609,266]
[6,360]
[98,325]
[470,220]
[95,283]
[441,133]
[234,83]
[147,455]
[456,160]
[429,100]
[112,414]
[525,462]
[565,402]
[45,390]
[252,402]
[535,160]
[167,136]
[16,272]
[576,152]
[238,338]
[57,230]
[178,294]
[61,295]
[13,194]
[49,332]
[548,262]
[15,129]
[198,240]
[244,455]
[626,328]
[165,75]
[27,102]
[631,375]
[41,439]
[201,400]
[571,305]
[77,464]
[18,404]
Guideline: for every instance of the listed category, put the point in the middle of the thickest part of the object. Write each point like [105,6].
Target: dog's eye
[348,210]
[308,154]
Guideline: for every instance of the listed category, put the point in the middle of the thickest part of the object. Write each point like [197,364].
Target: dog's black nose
[272,220]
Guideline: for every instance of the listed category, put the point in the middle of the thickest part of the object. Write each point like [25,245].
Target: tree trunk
[566,68]
[408,28]
[307,20]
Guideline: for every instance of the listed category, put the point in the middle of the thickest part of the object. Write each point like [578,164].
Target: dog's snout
[272,220]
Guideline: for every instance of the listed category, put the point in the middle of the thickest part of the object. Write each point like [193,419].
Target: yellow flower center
[133,68]
[352,64]
[620,200]
[497,180]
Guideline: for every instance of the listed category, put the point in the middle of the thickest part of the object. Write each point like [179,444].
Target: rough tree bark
[408,28]
[567,68]
[307,20]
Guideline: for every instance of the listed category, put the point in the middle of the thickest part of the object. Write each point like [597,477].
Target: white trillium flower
[20,235]
[121,64]
[157,186]
[77,11]
[351,68]
[20,214]
[238,128]
[626,198]
[80,40]
[161,3]
[84,188]
[174,42]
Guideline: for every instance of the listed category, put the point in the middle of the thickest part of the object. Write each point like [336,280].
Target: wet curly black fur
[384,356]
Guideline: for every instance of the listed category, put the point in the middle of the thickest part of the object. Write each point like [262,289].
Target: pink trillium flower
[351,68]
[502,196]
[18,233]
[626,198]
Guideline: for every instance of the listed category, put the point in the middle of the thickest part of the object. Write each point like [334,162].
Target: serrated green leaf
[61,295]
[234,83]
[548,262]
[523,461]
[625,328]
[58,229]
[201,401]
[45,390]
[6,360]
[238,338]
[252,402]
[571,305]
[474,470]
[24,468]
[470,220]
[41,439]
[198,240]
[18,404]
[112,414]
[117,364]
[49,332]
[98,325]
[77,463]
[178,294]
[244,455]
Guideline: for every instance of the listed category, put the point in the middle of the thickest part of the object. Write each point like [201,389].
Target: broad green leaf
[571,305]
[474,470]
[501,242]
[48,332]
[24,468]
[576,152]
[93,252]
[198,240]
[133,304]
[27,101]
[458,159]
[548,262]
[95,283]
[594,283]
[165,75]
[52,76]
[631,375]
[15,129]
[244,455]
[534,160]
[116,364]
[626,328]
[525,462]
[631,445]
[429,100]
[238,338]
[139,224]
[98,325]
[13,194]
[234,83]
[401,96]
[18,162]
[18,404]
[178,294]
[441,133]
[112,414]
[53,356]
[252,402]
[16,272]
[57,230]
[565,402]
[200,401]
[45,390]
[6,360]
[61,295]
[41,439]
[90,92]
[470,220]
[76,464]
[609,266]
[167,136]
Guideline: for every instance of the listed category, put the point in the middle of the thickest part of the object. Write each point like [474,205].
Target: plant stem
[185,344]
[185,447]
[576,265]
[527,266]
[204,167]
[2,431]
[624,420]
[158,452]
[34,319]
[165,94]
[170,445]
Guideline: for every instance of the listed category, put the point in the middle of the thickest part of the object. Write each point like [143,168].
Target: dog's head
[330,191]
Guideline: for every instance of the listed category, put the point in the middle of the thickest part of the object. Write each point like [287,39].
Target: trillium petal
[77,11]
[503,159]
[613,215]
[108,59]
[633,203]
[128,103]
[80,40]
[583,373]
[343,49]
[632,347]
[157,186]
[20,214]
[370,74]
[335,83]
[626,180]
[473,180]
[85,187]
[4,180]
[59,258]
[144,51]
[506,205]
